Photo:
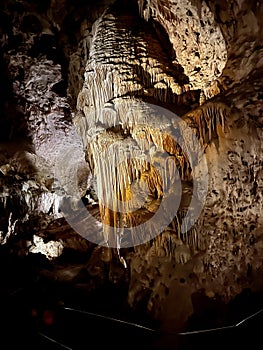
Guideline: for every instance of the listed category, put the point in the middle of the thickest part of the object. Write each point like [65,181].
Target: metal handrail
[237,325]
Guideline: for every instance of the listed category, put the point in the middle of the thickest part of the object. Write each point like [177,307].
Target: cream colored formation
[124,74]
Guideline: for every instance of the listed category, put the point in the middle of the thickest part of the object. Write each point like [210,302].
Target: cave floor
[41,314]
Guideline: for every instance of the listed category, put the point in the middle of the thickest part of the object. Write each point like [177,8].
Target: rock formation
[144,118]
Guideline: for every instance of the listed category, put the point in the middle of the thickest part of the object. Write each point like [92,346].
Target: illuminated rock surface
[71,71]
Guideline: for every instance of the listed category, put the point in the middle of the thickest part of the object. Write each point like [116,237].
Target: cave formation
[131,173]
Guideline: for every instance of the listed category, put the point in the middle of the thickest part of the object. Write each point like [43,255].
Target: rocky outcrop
[203,52]
[37,119]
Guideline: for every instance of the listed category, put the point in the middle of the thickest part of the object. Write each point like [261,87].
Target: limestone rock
[90,101]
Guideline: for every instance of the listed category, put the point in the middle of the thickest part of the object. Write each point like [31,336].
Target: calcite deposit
[115,111]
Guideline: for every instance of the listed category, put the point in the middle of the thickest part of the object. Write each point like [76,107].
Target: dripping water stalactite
[122,126]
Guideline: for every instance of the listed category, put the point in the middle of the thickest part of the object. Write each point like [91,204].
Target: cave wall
[72,71]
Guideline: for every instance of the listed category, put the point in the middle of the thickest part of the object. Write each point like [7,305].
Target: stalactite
[207,119]
[118,126]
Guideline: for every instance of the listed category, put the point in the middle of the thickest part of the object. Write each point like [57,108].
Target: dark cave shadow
[179,104]
[16,270]
[15,141]
[130,8]
[13,126]
[128,17]
[155,29]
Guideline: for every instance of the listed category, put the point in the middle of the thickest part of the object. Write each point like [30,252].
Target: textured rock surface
[71,71]
[218,254]
[36,117]
[203,52]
